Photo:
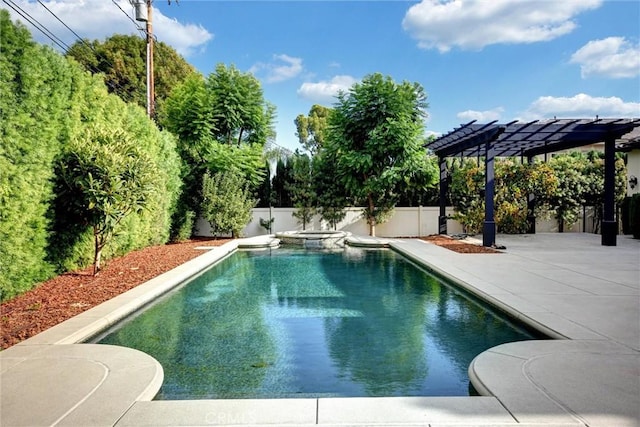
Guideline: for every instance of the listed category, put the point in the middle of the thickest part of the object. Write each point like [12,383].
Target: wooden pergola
[528,140]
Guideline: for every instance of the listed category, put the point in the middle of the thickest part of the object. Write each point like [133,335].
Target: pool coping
[54,361]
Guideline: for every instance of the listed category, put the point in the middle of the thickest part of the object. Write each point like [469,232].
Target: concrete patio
[567,285]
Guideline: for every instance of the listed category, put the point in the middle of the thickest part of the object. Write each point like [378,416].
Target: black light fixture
[633,181]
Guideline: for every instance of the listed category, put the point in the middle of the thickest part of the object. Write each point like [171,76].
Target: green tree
[331,199]
[222,123]
[572,186]
[122,61]
[281,183]
[465,192]
[302,189]
[376,132]
[311,130]
[107,178]
[226,202]
[240,113]
[514,183]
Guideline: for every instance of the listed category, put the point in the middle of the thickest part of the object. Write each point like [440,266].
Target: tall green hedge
[35,86]
[45,102]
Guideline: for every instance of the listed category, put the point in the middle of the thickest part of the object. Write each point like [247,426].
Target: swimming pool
[297,323]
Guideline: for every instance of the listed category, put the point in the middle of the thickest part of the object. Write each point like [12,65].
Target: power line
[60,20]
[37,25]
[60,43]
[112,85]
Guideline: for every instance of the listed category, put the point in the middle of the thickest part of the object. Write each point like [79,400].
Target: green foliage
[376,135]
[572,186]
[594,184]
[107,177]
[514,183]
[46,103]
[302,189]
[312,129]
[465,191]
[222,123]
[330,196]
[226,202]
[280,184]
[240,114]
[35,86]
[581,182]
[121,59]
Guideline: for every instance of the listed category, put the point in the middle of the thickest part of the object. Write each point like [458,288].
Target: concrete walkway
[567,285]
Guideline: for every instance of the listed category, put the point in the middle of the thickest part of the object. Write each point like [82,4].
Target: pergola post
[531,206]
[489,227]
[609,222]
[444,188]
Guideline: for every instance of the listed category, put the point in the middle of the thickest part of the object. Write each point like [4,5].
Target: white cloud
[474,24]
[283,68]
[99,19]
[613,57]
[481,116]
[581,106]
[326,91]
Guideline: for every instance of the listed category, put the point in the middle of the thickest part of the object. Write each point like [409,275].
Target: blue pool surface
[293,323]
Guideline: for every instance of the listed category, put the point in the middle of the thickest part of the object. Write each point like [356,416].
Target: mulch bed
[459,246]
[69,294]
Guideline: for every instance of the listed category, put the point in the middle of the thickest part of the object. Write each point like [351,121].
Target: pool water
[296,323]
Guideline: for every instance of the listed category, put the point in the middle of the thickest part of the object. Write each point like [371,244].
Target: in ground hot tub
[314,239]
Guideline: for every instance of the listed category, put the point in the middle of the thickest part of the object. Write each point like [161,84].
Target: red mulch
[69,294]
[459,246]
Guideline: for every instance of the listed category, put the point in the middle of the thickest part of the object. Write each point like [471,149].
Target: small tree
[330,196]
[572,186]
[226,202]
[301,189]
[106,178]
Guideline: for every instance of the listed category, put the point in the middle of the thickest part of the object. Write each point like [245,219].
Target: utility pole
[151,91]
[144,12]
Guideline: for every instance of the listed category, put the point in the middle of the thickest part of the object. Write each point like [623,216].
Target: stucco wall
[404,222]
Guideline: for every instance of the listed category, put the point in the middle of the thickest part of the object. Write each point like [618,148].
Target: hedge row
[47,101]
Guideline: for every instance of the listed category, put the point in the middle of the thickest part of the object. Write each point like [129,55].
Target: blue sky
[484,60]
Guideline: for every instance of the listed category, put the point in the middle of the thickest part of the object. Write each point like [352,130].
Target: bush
[226,202]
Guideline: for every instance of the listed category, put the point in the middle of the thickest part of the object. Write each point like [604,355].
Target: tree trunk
[97,253]
[371,219]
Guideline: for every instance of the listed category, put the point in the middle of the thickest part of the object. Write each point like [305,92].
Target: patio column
[531,206]
[489,227]
[444,188]
[609,222]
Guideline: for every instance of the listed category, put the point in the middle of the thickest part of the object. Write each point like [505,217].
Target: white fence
[405,222]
